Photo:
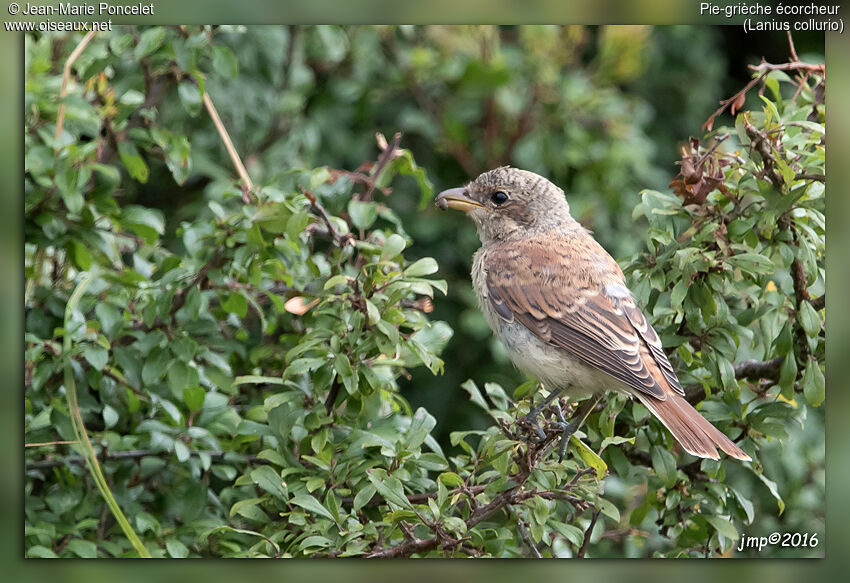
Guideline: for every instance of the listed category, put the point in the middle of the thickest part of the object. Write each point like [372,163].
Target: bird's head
[508,201]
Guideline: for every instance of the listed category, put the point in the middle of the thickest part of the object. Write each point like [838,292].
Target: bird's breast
[554,366]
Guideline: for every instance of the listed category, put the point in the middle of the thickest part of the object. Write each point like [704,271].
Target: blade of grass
[80,429]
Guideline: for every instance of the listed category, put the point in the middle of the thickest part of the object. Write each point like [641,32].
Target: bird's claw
[536,433]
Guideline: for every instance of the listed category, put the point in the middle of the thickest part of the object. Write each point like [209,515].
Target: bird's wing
[579,304]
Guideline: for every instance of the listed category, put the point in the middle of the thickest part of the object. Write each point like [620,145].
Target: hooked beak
[456,198]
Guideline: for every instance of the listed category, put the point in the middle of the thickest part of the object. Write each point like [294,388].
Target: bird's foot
[567,429]
[533,426]
[538,434]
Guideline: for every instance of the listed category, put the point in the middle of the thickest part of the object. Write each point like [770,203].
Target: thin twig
[756,369]
[523,533]
[387,154]
[794,56]
[66,76]
[709,123]
[247,185]
[745,369]
[513,495]
[45,443]
[796,66]
[583,549]
[340,240]
[765,68]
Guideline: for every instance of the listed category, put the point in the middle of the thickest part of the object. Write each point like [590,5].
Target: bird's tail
[692,430]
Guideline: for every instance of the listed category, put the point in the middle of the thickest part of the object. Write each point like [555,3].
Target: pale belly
[555,367]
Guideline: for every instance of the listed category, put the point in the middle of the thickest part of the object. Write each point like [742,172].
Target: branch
[794,56]
[514,495]
[765,68]
[247,185]
[709,123]
[523,533]
[804,176]
[756,369]
[340,240]
[66,76]
[388,152]
[794,66]
[583,549]
[746,369]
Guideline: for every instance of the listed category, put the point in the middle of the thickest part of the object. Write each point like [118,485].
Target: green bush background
[598,110]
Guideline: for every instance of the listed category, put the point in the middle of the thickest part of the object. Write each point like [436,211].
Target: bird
[560,306]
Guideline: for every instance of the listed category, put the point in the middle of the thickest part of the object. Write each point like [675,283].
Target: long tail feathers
[692,430]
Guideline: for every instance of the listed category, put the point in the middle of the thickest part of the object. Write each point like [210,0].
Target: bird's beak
[456,198]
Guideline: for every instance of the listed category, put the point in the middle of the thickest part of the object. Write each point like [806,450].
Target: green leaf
[454,524]
[235,304]
[363,214]
[147,223]
[722,526]
[155,366]
[181,451]
[194,398]
[372,313]
[425,266]
[589,457]
[809,319]
[257,380]
[616,440]
[389,487]
[334,281]
[771,485]
[450,479]
[308,502]
[572,533]
[608,509]
[475,394]
[149,41]
[270,481]
[133,161]
[394,245]
[664,465]
[787,375]
[109,317]
[79,254]
[420,426]
[315,541]
[96,356]
[83,548]
[190,97]
[176,549]
[110,416]
[784,341]
[745,504]
[752,263]
[363,497]
[224,62]
[814,384]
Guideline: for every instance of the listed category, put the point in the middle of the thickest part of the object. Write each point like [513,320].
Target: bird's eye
[499,197]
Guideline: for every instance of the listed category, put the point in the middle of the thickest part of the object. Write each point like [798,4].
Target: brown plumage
[559,303]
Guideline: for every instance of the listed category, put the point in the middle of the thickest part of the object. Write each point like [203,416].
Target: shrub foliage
[233,354]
